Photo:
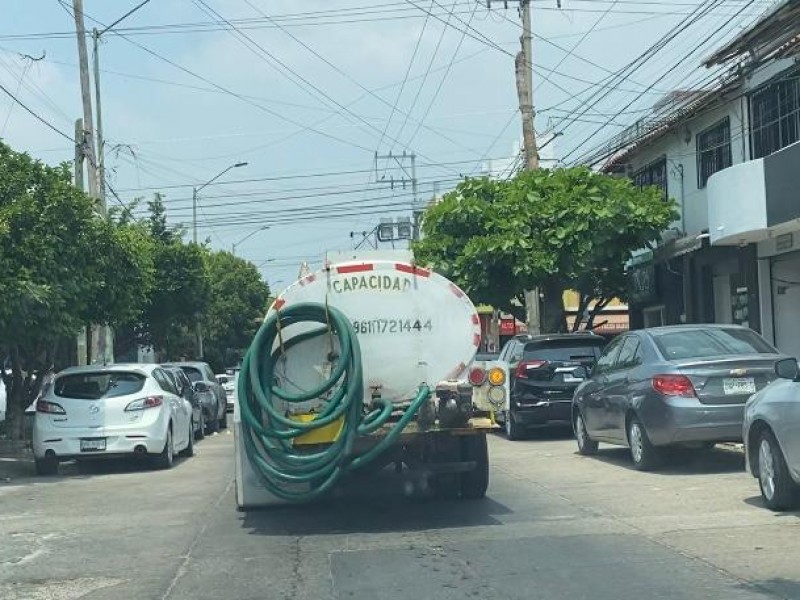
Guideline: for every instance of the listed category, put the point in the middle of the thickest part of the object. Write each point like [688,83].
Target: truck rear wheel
[474,483]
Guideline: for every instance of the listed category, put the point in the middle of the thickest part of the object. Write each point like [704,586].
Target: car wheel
[514,431]
[167,456]
[189,450]
[223,423]
[46,466]
[201,431]
[474,483]
[586,445]
[645,456]
[777,488]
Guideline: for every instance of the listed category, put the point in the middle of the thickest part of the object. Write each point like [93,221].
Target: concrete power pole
[524,76]
[100,334]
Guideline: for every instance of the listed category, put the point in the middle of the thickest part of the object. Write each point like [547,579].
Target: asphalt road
[554,526]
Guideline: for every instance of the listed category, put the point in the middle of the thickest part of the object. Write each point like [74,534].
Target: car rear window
[563,350]
[193,374]
[94,386]
[701,343]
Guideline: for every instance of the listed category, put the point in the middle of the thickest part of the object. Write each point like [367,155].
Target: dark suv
[208,391]
[544,371]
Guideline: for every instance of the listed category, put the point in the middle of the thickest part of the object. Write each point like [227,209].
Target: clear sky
[307,92]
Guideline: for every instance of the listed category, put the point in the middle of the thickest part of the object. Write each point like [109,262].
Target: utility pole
[100,334]
[524,77]
[88,127]
[101,162]
[85,335]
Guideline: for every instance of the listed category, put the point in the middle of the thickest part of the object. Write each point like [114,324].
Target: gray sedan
[772,437]
[683,385]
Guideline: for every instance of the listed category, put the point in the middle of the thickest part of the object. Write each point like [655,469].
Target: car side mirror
[787,368]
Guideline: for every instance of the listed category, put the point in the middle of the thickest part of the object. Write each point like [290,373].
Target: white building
[730,157]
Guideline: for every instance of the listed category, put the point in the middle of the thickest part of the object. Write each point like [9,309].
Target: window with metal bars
[774,117]
[653,174]
[713,150]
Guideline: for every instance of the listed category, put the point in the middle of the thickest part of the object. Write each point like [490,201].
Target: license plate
[92,445]
[739,386]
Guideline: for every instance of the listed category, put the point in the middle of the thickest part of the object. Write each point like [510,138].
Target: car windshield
[563,350]
[701,343]
[94,386]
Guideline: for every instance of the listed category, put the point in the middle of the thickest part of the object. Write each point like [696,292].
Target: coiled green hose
[289,472]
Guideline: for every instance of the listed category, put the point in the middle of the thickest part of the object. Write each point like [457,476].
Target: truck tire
[474,483]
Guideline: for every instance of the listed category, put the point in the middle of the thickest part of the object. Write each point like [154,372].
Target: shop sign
[508,327]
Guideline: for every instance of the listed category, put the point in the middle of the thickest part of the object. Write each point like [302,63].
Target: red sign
[508,327]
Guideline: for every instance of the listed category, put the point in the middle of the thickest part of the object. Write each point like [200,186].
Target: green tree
[60,268]
[239,301]
[552,229]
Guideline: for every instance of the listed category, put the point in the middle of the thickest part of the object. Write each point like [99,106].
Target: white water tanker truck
[361,365]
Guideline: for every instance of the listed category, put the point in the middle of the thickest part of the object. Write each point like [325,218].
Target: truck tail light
[144,403]
[527,365]
[50,408]
[674,385]
[477,376]
[496,376]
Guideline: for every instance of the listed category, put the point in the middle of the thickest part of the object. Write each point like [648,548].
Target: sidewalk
[16,461]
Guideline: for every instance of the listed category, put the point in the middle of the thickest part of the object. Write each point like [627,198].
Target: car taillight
[144,403]
[51,408]
[477,376]
[526,365]
[674,385]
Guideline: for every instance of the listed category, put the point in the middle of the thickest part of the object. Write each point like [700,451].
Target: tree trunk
[552,317]
[583,302]
[596,310]
[15,389]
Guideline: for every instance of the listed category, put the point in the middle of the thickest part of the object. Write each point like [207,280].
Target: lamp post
[196,189]
[247,237]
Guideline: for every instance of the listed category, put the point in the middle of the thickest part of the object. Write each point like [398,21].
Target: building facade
[730,158]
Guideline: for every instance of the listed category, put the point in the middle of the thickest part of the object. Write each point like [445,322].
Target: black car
[183,387]
[210,393]
[544,371]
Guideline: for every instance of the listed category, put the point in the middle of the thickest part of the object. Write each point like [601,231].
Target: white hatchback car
[108,411]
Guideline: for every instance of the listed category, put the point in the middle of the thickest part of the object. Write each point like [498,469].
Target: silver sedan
[772,437]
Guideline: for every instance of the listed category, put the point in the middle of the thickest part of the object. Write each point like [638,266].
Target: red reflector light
[674,385]
[477,376]
[526,365]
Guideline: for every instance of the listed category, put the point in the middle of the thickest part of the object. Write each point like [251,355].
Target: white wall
[682,159]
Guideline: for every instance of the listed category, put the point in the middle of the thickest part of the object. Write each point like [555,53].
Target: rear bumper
[542,412]
[66,443]
[684,420]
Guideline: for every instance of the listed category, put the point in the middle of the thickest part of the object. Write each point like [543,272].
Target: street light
[247,237]
[195,190]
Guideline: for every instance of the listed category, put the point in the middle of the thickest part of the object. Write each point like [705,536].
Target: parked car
[2,401]
[108,411]
[184,388]
[212,396]
[772,437]
[682,385]
[543,373]
[228,383]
